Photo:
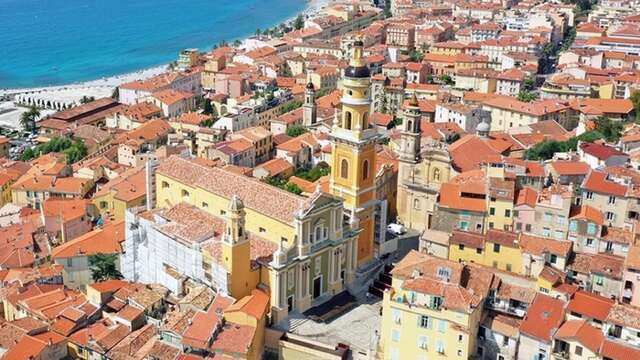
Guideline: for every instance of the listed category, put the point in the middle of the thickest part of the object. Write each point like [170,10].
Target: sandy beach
[10,113]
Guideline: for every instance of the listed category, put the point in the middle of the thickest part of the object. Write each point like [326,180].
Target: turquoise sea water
[53,42]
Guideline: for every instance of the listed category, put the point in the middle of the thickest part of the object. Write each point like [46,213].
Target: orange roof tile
[106,240]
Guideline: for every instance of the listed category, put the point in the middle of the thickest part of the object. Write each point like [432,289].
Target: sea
[57,42]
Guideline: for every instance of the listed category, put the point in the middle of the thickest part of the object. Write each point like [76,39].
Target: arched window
[347,120]
[416,204]
[365,170]
[185,193]
[344,169]
[318,233]
[409,125]
[240,231]
[436,174]
[364,120]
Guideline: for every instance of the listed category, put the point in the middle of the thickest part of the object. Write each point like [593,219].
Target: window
[365,170]
[395,335]
[612,200]
[423,322]
[559,235]
[478,251]
[507,213]
[492,211]
[165,185]
[516,213]
[440,346]
[578,350]
[590,242]
[592,228]
[610,216]
[518,226]
[205,205]
[223,212]
[496,248]
[464,225]
[364,120]
[344,169]
[184,193]
[347,120]
[416,204]
[262,230]
[422,342]
[573,226]
[291,275]
[460,337]
[527,228]
[436,174]
[598,279]
[508,267]
[69,262]
[103,204]
[548,217]
[588,195]
[546,232]
[442,326]
[397,316]
[553,258]
[460,353]
[495,264]
[491,225]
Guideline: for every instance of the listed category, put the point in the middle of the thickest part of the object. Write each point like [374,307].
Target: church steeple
[410,132]
[234,231]
[309,114]
[353,152]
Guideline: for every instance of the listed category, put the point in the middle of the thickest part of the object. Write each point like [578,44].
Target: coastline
[111,82]
[10,112]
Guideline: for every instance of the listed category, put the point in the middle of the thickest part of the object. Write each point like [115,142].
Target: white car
[396,229]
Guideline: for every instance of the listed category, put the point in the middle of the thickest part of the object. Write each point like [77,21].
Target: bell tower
[354,155]
[409,152]
[309,108]
[236,249]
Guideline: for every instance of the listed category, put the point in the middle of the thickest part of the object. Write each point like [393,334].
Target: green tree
[29,117]
[446,79]
[527,96]
[415,55]
[299,22]
[290,106]
[75,152]
[116,93]
[237,42]
[610,130]
[87,99]
[387,8]
[103,267]
[293,188]
[258,32]
[430,79]
[529,83]
[296,130]
[451,138]
[635,99]
[207,107]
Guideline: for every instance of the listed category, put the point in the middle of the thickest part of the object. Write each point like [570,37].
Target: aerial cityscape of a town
[362,179]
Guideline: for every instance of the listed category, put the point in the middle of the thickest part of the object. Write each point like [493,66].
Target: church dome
[357,72]
[483,127]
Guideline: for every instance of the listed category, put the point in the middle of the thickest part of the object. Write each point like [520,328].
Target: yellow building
[497,248]
[432,311]
[315,253]
[124,192]
[500,208]
[353,154]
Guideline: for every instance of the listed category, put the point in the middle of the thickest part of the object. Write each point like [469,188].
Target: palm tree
[29,117]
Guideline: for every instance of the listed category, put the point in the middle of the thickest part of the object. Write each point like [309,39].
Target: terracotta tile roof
[570,168]
[503,324]
[471,239]
[607,265]
[261,197]
[234,339]
[203,324]
[582,332]
[536,108]
[471,151]
[276,166]
[624,315]
[599,182]
[590,305]
[502,237]
[602,106]
[522,294]
[192,118]
[602,152]
[255,305]
[106,240]
[617,351]
[618,235]
[32,347]
[171,96]
[130,185]
[149,131]
[587,212]
[129,313]
[52,184]
[67,209]
[462,192]
[537,245]
[543,318]
[632,260]
[108,285]
[527,196]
